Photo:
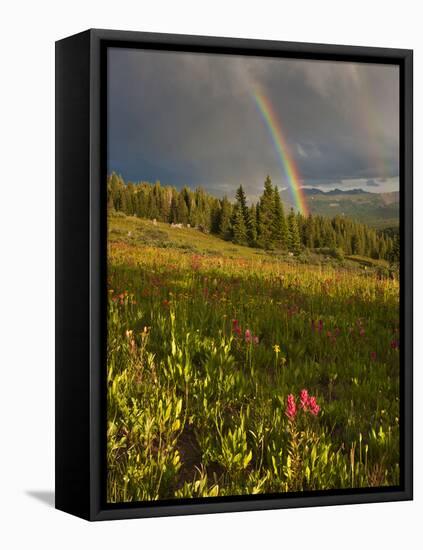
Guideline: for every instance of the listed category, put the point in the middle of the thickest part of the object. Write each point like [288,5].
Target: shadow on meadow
[208,358]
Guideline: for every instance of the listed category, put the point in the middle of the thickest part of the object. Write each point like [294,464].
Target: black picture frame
[81,271]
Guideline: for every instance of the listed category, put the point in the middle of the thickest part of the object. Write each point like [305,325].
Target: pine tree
[394,257]
[309,232]
[252,226]
[266,205]
[294,234]
[182,210]
[225,225]
[173,216]
[241,200]
[279,227]
[239,227]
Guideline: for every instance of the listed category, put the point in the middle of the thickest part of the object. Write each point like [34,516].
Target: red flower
[304,399]
[394,344]
[373,355]
[314,407]
[291,407]
[248,336]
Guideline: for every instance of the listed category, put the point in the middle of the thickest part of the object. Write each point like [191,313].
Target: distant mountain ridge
[379,210]
[316,191]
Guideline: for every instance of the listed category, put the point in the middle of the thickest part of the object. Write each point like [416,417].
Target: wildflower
[235,327]
[255,340]
[313,406]
[291,407]
[320,326]
[362,332]
[394,344]
[373,355]
[304,399]
[276,348]
[128,334]
[248,336]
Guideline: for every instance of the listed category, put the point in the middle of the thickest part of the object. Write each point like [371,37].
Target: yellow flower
[276,348]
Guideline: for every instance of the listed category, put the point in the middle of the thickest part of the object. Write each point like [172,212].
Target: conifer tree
[182,209]
[239,227]
[279,228]
[294,234]
[252,226]
[265,227]
[225,225]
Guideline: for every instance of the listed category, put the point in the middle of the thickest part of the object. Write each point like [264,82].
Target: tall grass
[206,355]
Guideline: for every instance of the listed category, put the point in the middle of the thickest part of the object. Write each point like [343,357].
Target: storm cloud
[190,119]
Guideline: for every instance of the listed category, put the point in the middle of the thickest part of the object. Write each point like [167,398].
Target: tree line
[263,225]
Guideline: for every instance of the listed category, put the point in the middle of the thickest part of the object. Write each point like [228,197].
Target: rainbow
[289,168]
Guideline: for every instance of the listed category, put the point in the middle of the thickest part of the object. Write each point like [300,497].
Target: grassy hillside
[136,231]
[140,232]
[232,371]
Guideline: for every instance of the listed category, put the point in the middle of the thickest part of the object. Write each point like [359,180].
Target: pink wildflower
[248,336]
[235,327]
[313,406]
[304,399]
[256,339]
[291,407]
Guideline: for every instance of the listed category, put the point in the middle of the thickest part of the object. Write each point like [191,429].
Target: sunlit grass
[205,349]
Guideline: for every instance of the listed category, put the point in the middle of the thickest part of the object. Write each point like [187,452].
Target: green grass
[139,232]
[197,402]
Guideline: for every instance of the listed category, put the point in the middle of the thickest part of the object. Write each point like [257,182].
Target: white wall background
[28,31]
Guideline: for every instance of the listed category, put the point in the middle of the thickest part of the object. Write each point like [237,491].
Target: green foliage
[224,224]
[239,227]
[263,225]
[197,408]
[280,227]
[265,229]
[294,243]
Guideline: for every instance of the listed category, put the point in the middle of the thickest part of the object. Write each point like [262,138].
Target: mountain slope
[378,210]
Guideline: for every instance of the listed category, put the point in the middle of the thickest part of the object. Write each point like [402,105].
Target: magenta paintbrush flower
[304,399]
[291,407]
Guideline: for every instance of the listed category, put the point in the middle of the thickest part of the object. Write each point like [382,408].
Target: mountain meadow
[251,349]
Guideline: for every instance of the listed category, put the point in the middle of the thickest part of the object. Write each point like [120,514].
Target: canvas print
[253,247]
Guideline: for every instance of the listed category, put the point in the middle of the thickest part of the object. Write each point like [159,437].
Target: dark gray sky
[190,119]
